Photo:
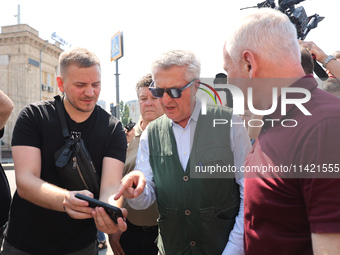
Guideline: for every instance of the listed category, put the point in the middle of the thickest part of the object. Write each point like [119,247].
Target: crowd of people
[148,172]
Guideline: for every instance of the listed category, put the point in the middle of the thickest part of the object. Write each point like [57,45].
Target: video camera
[130,126]
[297,15]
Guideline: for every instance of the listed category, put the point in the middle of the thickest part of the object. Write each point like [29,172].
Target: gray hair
[80,57]
[266,32]
[331,85]
[336,54]
[178,58]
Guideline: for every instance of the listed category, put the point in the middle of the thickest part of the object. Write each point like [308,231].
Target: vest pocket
[169,237]
[216,227]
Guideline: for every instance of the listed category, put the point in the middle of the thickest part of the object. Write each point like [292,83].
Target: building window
[48,79]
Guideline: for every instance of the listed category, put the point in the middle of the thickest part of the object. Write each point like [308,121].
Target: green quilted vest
[196,214]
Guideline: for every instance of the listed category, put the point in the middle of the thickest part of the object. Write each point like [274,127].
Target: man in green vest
[200,213]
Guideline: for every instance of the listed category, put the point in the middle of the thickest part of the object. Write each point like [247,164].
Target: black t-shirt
[41,231]
[5,193]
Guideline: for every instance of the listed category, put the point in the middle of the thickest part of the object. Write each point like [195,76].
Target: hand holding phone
[112,211]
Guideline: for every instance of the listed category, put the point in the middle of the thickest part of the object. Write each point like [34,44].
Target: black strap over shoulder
[73,161]
[60,110]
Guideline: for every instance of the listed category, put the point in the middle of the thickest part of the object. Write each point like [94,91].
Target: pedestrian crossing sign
[117,46]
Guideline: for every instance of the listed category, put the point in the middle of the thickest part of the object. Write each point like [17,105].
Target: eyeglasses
[173,93]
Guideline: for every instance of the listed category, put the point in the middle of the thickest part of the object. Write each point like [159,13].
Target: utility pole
[18,15]
[117,91]
[117,53]
[41,57]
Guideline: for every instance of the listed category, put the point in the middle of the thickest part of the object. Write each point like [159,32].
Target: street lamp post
[41,54]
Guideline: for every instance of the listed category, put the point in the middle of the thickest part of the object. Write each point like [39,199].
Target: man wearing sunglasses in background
[197,215]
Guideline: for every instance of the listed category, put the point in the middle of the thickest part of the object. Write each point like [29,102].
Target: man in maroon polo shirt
[292,193]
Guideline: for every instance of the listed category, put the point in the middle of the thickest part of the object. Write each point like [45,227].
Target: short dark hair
[307,61]
[80,57]
[220,78]
[145,81]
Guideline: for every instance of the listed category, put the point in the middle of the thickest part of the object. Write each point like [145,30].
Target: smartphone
[112,211]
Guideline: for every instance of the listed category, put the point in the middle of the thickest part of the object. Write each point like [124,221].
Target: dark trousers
[8,249]
[139,240]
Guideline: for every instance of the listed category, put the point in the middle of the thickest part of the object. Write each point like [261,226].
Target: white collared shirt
[240,146]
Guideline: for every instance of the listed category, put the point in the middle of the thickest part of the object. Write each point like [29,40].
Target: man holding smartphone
[45,217]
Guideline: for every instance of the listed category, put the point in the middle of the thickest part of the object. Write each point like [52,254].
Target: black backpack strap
[60,110]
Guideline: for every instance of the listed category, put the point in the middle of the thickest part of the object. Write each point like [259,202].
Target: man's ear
[60,83]
[195,86]
[249,64]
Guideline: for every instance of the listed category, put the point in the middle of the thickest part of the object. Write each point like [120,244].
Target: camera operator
[327,61]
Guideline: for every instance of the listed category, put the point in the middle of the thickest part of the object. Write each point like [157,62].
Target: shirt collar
[138,128]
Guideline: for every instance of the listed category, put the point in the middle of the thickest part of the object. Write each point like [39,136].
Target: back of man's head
[80,57]
[220,78]
[267,33]
[178,58]
[307,61]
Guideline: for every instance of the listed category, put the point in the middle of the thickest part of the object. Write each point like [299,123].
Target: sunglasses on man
[172,92]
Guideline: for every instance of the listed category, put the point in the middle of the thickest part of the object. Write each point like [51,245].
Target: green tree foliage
[124,112]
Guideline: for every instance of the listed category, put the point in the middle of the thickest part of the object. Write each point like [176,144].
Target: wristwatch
[329,58]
